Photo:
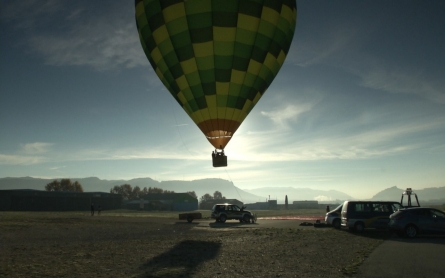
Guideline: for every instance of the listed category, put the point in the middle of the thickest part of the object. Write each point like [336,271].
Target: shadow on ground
[233,225]
[182,260]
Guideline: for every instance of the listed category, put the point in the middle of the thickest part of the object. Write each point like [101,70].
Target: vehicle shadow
[232,225]
[370,233]
[182,260]
[389,235]
[434,239]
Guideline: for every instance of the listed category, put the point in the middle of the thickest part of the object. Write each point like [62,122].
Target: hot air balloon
[216,57]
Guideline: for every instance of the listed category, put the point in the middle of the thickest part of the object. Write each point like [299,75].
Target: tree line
[135,193]
[126,190]
[216,196]
[64,185]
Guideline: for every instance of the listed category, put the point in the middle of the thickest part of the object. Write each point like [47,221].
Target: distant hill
[435,195]
[301,194]
[94,184]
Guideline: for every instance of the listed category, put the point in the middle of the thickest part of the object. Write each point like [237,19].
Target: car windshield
[396,206]
[338,209]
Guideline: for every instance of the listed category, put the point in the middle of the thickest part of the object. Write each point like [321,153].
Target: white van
[358,215]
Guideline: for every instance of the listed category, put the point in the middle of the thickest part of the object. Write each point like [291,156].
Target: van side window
[360,207]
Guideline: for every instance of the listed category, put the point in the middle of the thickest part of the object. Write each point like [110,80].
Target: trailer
[190,216]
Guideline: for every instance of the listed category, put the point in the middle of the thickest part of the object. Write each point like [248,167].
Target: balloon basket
[219,159]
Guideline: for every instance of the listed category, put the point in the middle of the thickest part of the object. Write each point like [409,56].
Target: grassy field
[126,243]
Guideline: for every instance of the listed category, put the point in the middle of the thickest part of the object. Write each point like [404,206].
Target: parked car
[333,217]
[358,215]
[223,212]
[413,221]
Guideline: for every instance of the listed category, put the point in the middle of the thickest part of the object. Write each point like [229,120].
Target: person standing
[327,209]
[92,209]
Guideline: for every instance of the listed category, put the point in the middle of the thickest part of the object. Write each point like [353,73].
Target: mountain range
[228,189]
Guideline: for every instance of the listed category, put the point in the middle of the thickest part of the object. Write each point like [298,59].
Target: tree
[125,190]
[64,185]
[155,190]
[206,197]
[193,194]
[285,202]
[136,193]
[130,193]
[53,186]
[217,195]
[78,187]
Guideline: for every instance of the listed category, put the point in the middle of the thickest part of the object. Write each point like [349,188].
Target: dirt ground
[158,247]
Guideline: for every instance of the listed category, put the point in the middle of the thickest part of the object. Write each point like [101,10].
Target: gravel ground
[159,247]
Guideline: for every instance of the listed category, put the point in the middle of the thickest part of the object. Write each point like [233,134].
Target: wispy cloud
[403,81]
[323,47]
[35,148]
[21,159]
[26,14]
[102,41]
[351,143]
[289,113]
[100,46]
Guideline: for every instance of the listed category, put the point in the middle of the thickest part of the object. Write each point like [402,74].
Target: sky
[358,106]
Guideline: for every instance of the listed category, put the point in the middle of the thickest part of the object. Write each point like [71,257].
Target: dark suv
[223,212]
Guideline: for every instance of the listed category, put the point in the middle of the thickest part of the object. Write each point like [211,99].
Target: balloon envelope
[216,57]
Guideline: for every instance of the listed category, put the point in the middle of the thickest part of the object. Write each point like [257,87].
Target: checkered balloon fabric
[216,57]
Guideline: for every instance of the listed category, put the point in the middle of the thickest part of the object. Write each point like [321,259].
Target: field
[142,244]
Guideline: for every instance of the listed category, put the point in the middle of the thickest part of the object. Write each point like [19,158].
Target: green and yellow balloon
[216,57]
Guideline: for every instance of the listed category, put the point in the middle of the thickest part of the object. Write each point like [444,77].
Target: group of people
[99,208]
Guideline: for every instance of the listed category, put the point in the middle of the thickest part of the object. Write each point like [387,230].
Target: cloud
[321,48]
[346,141]
[21,159]
[55,168]
[290,112]
[28,14]
[35,148]
[104,41]
[403,81]
[323,198]
[100,46]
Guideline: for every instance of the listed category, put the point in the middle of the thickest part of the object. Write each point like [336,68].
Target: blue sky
[358,106]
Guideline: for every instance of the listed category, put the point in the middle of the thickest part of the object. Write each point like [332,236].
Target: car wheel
[246,218]
[336,224]
[411,231]
[222,218]
[359,227]
[189,218]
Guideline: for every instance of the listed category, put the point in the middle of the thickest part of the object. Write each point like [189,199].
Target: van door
[380,213]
